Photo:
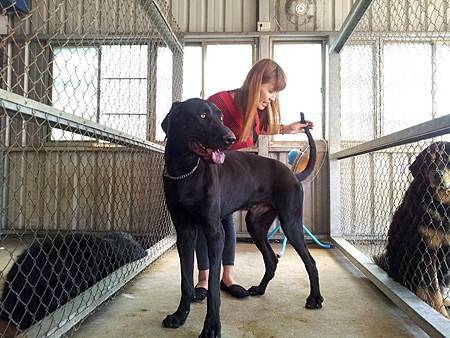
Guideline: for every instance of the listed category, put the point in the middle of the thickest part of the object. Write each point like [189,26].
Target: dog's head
[198,124]
[433,166]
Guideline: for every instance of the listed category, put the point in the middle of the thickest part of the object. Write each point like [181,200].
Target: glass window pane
[302,63]
[124,61]
[123,97]
[192,72]
[357,94]
[163,88]
[123,105]
[226,67]
[75,81]
[118,121]
[407,94]
[74,88]
[123,93]
[442,80]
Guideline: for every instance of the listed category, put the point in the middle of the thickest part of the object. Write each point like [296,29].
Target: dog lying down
[203,183]
[56,269]
[417,253]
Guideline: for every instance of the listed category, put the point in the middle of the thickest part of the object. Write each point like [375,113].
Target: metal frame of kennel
[426,317]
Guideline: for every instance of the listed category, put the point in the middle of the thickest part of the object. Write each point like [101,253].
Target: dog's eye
[203,115]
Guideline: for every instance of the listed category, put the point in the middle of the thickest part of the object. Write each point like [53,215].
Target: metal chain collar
[184,175]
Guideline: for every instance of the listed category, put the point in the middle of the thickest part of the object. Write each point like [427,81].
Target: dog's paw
[175,320]
[314,302]
[211,330]
[256,291]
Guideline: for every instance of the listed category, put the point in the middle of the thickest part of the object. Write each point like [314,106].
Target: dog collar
[184,175]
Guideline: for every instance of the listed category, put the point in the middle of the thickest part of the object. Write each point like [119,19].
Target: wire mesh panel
[395,200]
[83,84]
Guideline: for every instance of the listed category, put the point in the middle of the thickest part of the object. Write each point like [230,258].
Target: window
[407,94]
[192,72]
[224,68]
[163,88]
[118,99]
[357,88]
[302,63]
[74,87]
[238,59]
[442,80]
[123,89]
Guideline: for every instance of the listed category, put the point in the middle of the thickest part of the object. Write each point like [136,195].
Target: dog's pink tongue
[218,157]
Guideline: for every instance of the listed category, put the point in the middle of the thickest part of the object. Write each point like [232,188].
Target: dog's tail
[312,153]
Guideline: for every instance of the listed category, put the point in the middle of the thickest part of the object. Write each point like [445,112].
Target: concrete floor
[353,306]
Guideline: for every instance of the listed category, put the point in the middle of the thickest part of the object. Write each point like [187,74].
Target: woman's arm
[295,127]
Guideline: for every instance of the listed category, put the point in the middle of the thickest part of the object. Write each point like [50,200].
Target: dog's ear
[424,159]
[165,124]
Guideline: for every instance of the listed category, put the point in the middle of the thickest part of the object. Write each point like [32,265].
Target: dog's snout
[229,139]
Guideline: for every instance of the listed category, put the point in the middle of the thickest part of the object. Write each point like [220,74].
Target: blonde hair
[247,97]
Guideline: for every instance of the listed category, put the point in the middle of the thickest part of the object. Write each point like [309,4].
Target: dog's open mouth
[216,156]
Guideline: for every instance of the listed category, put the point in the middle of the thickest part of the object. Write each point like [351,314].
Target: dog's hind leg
[258,225]
[293,230]
[215,236]
[186,235]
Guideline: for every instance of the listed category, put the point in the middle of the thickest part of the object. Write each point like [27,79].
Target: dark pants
[229,249]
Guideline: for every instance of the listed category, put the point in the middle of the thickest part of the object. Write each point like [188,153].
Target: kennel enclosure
[80,84]
[389,101]
[84,85]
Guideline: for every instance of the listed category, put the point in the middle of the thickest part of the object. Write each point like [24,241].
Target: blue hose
[309,233]
[316,240]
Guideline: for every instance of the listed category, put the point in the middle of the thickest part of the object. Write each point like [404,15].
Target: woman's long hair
[247,97]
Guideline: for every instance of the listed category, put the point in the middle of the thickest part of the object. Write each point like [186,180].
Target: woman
[248,111]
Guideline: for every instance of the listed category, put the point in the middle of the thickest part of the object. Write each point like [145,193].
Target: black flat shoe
[234,290]
[199,294]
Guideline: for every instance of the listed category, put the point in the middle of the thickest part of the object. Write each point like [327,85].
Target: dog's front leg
[186,235]
[215,239]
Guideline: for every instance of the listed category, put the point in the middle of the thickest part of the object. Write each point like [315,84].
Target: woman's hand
[296,127]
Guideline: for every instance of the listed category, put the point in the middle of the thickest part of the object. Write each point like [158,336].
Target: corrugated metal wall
[105,195]
[200,16]
[95,16]
[196,16]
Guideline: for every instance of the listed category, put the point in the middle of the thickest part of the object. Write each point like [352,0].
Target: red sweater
[233,118]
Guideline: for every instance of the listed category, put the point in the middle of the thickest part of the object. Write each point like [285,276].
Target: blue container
[292,156]
[13,6]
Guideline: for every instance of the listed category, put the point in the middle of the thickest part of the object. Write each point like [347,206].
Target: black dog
[54,270]
[417,254]
[203,184]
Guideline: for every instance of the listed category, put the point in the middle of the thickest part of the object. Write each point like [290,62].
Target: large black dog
[56,269]
[417,254]
[203,184]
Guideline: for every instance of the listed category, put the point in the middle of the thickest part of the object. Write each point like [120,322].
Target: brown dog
[417,254]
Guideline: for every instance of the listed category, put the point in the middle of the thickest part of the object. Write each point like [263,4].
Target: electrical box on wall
[3,25]
[15,6]
[263,26]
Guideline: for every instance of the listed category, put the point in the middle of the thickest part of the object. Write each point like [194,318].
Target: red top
[233,118]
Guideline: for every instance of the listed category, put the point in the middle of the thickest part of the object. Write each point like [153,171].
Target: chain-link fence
[395,106]
[83,87]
